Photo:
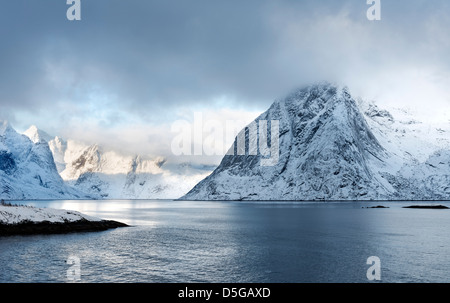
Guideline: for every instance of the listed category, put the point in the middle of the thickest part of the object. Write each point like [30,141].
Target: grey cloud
[151,56]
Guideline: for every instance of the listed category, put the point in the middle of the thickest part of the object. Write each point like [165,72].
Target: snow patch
[22,214]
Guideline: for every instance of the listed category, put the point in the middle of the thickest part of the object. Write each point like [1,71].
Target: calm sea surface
[179,241]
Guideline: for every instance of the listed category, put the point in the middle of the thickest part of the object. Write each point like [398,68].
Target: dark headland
[45,227]
[28,220]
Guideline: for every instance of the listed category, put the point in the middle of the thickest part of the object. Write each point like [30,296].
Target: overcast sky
[130,68]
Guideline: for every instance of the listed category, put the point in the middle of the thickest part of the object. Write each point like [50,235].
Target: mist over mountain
[103,173]
[109,174]
[36,165]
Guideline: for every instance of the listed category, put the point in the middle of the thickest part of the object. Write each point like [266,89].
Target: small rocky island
[28,220]
[427,206]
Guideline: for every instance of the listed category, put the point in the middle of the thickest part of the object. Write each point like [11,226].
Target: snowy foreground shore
[26,220]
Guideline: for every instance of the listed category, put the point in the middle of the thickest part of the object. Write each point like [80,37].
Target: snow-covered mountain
[334,147]
[57,145]
[331,147]
[27,169]
[107,174]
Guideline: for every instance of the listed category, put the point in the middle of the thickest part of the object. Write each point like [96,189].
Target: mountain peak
[320,91]
[5,126]
[36,135]
[326,151]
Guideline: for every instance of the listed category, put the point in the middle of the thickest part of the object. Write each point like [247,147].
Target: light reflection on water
[180,241]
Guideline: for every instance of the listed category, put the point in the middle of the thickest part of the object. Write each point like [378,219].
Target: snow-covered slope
[57,145]
[112,175]
[332,147]
[28,220]
[20,214]
[36,135]
[423,149]
[27,169]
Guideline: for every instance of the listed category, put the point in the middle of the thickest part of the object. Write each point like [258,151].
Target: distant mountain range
[335,147]
[35,165]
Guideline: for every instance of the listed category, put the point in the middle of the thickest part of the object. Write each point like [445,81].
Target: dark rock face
[33,228]
[7,163]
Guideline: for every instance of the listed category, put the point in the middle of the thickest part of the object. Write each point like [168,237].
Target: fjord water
[184,241]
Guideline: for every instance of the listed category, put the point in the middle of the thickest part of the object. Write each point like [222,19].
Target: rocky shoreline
[35,228]
[29,220]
